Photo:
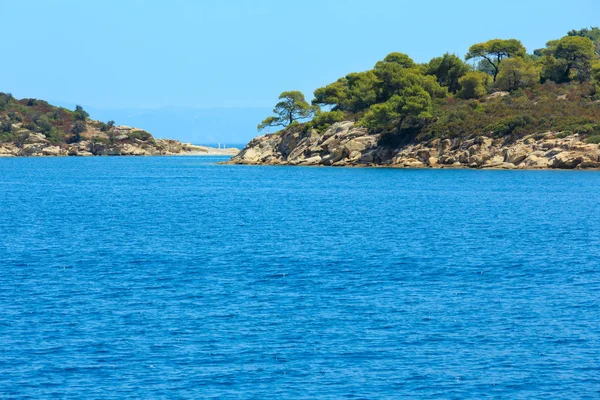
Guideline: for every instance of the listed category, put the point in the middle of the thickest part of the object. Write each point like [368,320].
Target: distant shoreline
[201,151]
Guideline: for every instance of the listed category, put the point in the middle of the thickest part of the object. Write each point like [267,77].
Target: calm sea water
[178,278]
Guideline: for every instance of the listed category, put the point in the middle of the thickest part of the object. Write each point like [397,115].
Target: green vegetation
[500,91]
[568,59]
[19,119]
[592,33]
[448,70]
[494,51]
[291,107]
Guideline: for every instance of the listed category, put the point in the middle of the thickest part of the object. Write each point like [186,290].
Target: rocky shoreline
[344,144]
[120,142]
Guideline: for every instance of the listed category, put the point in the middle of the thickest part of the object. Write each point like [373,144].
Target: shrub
[44,124]
[99,139]
[15,117]
[322,121]
[510,125]
[30,126]
[473,85]
[595,139]
[106,127]
[6,126]
[55,136]
[5,100]
[564,134]
[141,135]
[78,128]
[7,137]
[516,73]
[80,114]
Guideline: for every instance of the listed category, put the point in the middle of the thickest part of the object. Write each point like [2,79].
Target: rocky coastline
[344,144]
[120,141]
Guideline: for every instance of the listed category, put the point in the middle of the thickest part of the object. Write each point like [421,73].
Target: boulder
[589,164]
[424,155]
[109,151]
[516,154]
[496,95]
[130,150]
[367,158]
[494,162]
[567,160]
[336,155]
[315,160]
[36,138]
[355,156]
[536,160]
[34,149]
[445,145]
[360,144]
[288,143]
[9,151]
[412,163]
[52,151]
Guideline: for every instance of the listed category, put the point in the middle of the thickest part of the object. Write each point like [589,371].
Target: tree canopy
[517,73]
[291,107]
[494,51]
[448,69]
[399,97]
[412,102]
[473,85]
[567,59]
[592,33]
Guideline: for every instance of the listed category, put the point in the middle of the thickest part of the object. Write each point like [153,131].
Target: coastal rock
[568,160]
[343,144]
[32,149]
[536,161]
[517,153]
[53,151]
[315,160]
[36,138]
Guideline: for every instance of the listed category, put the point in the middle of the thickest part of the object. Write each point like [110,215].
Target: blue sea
[176,277]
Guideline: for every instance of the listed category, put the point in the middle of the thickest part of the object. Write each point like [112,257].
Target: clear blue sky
[236,53]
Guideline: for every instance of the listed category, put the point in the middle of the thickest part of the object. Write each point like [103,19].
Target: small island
[32,127]
[507,109]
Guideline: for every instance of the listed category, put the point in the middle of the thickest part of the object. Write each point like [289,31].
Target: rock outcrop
[120,141]
[344,144]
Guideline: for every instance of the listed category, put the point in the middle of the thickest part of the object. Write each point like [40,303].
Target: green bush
[105,127]
[141,135]
[80,114]
[509,125]
[322,121]
[55,136]
[30,126]
[5,100]
[78,128]
[564,134]
[44,124]
[473,85]
[99,139]
[6,126]
[595,139]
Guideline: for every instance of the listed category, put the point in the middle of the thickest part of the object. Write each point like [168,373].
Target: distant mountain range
[233,127]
